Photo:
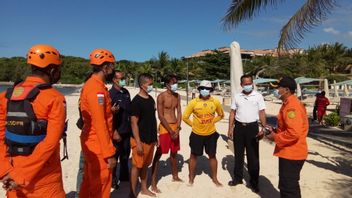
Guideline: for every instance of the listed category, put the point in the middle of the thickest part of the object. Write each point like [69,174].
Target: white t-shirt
[247,106]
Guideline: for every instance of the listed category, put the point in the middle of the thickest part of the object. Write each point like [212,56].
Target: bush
[333,119]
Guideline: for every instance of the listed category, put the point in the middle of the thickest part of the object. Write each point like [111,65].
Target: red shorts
[165,141]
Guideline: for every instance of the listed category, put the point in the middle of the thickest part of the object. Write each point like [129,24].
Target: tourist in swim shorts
[168,103]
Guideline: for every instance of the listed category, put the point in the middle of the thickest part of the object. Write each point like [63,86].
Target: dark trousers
[244,138]
[289,174]
[123,150]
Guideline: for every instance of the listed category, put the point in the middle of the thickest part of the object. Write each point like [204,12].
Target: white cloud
[331,30]
[349,34]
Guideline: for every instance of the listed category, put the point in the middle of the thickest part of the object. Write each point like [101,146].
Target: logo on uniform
[205,105]
[291,114]
[18,91]
[100,98]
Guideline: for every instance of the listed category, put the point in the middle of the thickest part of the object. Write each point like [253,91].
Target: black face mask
[110,76]
[54,76]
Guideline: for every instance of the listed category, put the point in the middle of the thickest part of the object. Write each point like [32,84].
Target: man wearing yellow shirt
[206,112]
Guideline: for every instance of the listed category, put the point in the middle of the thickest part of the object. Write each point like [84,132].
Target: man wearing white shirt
[247,109]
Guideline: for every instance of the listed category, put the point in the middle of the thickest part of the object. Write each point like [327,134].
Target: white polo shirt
[247,106]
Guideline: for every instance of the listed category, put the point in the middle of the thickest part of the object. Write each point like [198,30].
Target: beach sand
[326,173]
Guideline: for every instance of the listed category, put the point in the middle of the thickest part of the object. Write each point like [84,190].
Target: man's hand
[8,183]
[230,134]
[271,136]
[111,163]
[260,134]
[140,148]
[176,134]
[115,108]
[116,136]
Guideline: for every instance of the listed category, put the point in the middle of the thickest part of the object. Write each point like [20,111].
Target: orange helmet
[99,56]
[43,55]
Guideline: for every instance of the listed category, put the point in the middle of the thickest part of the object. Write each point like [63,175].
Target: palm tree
[312,13]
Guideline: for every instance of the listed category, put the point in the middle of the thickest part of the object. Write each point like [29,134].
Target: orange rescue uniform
[96,138]
[38,174]
[292,130]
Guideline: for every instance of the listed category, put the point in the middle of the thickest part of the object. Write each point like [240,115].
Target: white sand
[327,172]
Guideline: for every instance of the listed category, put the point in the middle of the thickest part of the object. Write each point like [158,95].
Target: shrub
[333,119]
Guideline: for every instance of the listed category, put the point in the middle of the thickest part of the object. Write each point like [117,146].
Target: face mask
[150,88]
[110,76]
[276,94]
[122,83]
[54,77]
[204,92]
[247,88]
[174,87]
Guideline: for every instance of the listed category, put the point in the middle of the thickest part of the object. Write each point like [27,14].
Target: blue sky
[138,30]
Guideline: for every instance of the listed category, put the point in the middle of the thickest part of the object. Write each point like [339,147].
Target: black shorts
[199,142]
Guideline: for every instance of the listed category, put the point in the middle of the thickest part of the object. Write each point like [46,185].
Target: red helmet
[43,55]
[99,56]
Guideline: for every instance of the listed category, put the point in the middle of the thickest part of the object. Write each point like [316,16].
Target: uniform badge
[291,114]
[18,91]
[100,98]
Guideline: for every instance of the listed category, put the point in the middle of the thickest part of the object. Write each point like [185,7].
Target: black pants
[123,150]
[244,138]
[289,174]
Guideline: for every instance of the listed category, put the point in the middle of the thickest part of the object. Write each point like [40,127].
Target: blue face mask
[150,88]
[204,92]
[248,88]
[276,94]
[174,87]
[122,83]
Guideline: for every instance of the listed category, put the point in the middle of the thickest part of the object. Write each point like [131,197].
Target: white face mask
[276,94]
[204,92]
[174,88]
[248,88]
[150,88]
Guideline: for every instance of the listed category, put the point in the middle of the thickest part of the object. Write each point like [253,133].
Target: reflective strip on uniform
[23,138]
[17,114]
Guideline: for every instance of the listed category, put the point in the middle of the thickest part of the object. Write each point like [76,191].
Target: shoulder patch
[291,114]
[100,98]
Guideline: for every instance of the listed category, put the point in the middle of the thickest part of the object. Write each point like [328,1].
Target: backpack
[23,130]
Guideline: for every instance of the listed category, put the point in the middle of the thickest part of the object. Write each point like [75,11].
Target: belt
[246,123]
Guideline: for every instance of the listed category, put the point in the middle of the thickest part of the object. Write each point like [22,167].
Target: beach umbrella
[336,89]
[345,89]
[236,68]
[326,87]
[299,91]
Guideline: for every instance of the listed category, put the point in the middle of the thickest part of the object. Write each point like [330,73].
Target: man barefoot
[204,135]
[144,129]
[168,102]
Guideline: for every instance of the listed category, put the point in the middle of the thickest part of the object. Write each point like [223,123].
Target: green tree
[312,13]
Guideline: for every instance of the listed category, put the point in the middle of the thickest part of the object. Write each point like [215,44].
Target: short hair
[246,76]
[322,93]
[168,78]
[143,77]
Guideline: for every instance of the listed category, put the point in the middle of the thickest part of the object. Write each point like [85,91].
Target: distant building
[245,54]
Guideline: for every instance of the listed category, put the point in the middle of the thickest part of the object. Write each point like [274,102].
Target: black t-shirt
[144,109]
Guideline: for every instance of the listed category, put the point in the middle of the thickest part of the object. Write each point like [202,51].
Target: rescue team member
[168,104]
[33,169]
[96,137]
[204,133]
[121,109]
[248,107]
[144,128]
[290,138]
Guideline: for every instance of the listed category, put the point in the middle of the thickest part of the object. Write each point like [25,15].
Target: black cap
[288,82]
